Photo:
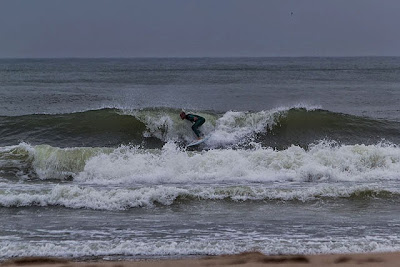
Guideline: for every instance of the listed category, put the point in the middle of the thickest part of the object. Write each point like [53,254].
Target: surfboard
[198,142]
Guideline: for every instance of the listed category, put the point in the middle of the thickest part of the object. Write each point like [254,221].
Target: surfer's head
[183,115]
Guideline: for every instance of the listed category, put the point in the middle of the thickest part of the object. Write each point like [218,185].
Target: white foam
[104,198]
[234,126]
[88,197]
[322,162]
[240,126]
[210,245]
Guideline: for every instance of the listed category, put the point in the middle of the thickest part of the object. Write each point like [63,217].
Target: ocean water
[303,156]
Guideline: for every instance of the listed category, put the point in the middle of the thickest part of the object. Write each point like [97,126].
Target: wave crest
[76,197]
[153,127]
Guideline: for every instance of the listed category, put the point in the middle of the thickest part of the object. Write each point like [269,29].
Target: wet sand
[244,259]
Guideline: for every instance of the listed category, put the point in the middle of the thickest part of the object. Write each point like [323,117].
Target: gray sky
[193,28]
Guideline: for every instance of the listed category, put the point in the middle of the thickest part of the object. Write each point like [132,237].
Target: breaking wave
[153,127]
[76,197]
[323,161]
[131,177]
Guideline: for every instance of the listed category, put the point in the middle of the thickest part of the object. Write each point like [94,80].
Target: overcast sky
[198,28]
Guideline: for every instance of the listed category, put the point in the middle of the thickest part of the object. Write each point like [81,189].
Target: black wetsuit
[200,120]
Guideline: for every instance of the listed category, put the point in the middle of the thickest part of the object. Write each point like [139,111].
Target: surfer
[198,121]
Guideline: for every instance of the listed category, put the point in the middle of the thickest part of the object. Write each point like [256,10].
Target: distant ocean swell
[152,128]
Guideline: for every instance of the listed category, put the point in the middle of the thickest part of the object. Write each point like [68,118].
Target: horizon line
[193,57]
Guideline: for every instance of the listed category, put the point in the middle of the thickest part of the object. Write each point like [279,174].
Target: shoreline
[243,259]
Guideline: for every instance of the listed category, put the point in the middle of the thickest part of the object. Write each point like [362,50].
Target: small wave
[77,197]
[223,243]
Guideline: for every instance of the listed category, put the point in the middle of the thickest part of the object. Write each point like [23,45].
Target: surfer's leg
[195,130]
[196,125]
